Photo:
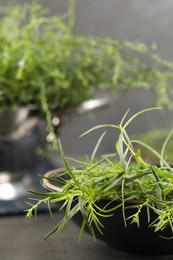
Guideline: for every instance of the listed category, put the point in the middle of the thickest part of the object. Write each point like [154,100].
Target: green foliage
[122,177]
[39,51]
[156,138]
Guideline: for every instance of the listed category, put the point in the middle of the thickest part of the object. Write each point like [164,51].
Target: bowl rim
[49,174]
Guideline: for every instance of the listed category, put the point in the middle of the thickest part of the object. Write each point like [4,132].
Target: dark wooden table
[20,239]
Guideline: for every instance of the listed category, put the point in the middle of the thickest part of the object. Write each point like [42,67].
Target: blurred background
[144,20]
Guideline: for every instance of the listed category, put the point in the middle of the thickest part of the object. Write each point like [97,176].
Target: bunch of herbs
[123,177]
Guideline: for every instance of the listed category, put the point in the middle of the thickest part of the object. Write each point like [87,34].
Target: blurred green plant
[45,64]
[41,56]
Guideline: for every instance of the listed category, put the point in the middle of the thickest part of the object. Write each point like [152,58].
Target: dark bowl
[130,237]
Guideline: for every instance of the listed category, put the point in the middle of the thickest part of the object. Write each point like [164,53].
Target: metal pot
[22,132]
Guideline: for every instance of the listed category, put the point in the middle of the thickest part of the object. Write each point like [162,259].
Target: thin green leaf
[164,146]
[124,117]
[82,228]
[154,152]
[48,194]
[139,113]
[99,127]
[97,146]
[85,217]
[67,167]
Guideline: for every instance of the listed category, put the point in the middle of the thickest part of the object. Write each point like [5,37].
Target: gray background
[150,21]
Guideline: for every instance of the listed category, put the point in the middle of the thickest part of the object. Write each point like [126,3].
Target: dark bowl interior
[131,238]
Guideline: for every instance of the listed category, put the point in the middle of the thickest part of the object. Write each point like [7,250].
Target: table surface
[21,239]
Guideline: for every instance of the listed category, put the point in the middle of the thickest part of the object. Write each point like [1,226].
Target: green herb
[45,64]
[124,177]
